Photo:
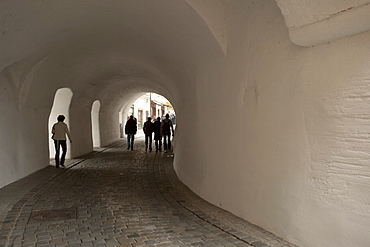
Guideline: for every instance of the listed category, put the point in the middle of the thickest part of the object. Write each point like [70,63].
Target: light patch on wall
[62,101]
[95,110]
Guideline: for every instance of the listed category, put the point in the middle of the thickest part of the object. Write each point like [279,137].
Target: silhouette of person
[148,130]
[166,132]
[59,132]
[157,134]
[130,131]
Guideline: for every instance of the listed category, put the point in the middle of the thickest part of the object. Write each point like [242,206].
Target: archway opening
[155,106]
[148,105]
[62,102]
[95,110]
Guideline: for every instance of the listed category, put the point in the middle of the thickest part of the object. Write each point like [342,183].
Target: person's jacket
[130,127]
[166,126]
[59,131]
[157,130]
[148,128]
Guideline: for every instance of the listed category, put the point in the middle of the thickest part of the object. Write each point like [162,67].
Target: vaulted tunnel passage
[272,99]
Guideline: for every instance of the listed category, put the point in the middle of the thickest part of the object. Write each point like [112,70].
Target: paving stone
[259,244]
[126,199]
[71,241]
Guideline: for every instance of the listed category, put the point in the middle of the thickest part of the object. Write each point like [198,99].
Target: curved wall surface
[312,22]
[273,132]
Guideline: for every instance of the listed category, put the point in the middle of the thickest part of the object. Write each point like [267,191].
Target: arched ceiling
[100,47]
[51,26]
[131,46]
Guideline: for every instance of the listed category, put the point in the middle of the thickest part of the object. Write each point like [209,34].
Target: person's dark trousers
[167,142]
[58,144]
[148,140]
[158,145]
[130,141]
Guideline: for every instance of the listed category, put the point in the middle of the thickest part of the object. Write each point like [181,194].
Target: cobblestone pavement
[117,197]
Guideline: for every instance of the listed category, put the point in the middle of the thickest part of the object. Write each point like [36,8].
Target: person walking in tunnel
[59,131]
[173,119]
[148,131]
[166,132]
[157,134]
[130,131]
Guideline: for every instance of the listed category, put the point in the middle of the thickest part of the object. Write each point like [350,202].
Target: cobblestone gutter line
[21,210]
[215,216]
[126,199]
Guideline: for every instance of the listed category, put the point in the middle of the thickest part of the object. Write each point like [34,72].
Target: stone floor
[116,197]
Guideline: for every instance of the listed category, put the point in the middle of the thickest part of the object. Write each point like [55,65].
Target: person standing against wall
[59,131]
[166,132]
[148,131]
[157,134]
[130,131]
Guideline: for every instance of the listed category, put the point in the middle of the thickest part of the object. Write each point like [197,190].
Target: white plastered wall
[9,122]
[280,132]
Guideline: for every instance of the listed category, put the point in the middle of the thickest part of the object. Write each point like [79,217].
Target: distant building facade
[150,105]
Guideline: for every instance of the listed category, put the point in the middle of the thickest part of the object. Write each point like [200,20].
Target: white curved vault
[273,132]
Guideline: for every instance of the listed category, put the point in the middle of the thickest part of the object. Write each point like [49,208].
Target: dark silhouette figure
[148,131]
[59,131]
[157,128]
[166,132]
[130,131]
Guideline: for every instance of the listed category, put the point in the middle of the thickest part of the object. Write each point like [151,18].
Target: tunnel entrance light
[147,105]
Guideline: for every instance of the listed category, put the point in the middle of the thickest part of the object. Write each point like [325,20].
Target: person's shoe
[150,150]
[62,165]
[128,148]
[132,149]
[156,150]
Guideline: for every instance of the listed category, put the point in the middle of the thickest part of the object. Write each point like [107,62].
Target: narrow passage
[123,198]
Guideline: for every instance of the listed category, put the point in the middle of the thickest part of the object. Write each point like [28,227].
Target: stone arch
[95,110]
[61,105]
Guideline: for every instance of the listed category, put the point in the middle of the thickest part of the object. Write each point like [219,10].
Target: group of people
[161,129]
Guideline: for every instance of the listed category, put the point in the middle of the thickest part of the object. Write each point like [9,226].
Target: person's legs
[63,144]
[160,144]
[146,142]
[165,143]
[132,141]
[169,142]
[128,141]
[150,142]
[56,144]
